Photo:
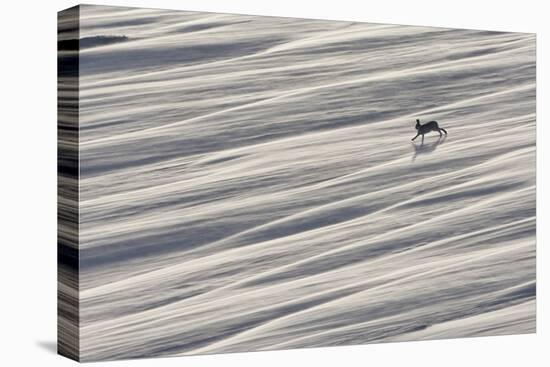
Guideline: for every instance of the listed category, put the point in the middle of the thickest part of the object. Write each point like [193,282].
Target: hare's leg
[439,131]
[422,138]
[415,136]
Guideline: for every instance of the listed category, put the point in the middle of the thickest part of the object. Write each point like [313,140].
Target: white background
[28,182]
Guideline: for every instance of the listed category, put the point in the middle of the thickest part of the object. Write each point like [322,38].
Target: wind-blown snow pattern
[249,183]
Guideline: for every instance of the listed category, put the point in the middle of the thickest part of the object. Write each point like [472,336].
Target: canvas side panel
[68,342]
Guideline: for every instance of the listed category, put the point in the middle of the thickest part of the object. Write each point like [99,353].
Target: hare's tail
[442,129]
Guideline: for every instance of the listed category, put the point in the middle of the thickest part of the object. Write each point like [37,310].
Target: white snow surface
[249,183]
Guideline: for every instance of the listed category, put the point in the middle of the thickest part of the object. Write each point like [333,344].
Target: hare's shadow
[426,148]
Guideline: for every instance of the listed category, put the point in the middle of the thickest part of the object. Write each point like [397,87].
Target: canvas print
[233,183]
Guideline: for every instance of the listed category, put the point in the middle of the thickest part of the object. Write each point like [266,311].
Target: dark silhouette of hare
[427,127]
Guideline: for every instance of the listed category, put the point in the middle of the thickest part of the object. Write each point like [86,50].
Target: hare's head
[417,124]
